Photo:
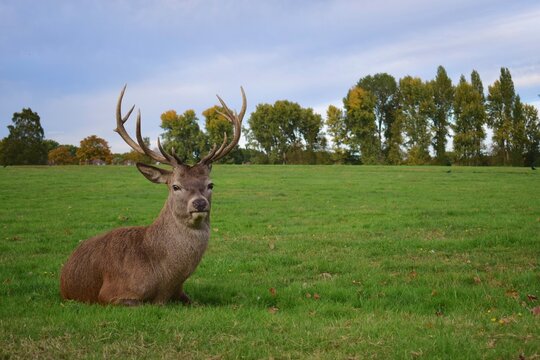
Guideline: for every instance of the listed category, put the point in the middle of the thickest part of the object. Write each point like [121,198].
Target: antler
[236,120]
[140,147]
[166,158]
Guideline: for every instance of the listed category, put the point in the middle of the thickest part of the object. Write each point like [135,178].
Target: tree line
[382,121]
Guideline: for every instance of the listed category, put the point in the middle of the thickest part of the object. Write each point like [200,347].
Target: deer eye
[210,186]
[176,187]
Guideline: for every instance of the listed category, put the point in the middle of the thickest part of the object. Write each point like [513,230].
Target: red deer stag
[149,264]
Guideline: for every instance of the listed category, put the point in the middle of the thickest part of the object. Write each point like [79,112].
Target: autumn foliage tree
[360,121]
[62,155]
[93,149]
[216,126]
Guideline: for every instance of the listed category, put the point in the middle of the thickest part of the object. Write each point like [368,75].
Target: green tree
[384,87]
[532,134]
[335,123]
[394,152]
[518,137]
[25,144]
[416,103]
[284,127]
[50,144]
[500,108]
[360,121]
[443,94]
[182,133]
[470,117]
[477,84]
[92,150]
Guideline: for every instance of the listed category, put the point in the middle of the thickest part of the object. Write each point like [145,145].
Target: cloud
[178,54]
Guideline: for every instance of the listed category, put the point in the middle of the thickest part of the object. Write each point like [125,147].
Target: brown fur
[133,265]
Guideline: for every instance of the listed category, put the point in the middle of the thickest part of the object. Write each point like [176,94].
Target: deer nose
[200,204]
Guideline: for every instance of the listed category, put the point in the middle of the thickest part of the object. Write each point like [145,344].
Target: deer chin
[198,216]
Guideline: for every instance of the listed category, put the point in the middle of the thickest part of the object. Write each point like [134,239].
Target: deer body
[134,265]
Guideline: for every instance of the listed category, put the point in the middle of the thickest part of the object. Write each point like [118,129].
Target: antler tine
[206,159]
[221,148]
[244,104]
[121,130]
[172,159]
[236,120]
[145,149]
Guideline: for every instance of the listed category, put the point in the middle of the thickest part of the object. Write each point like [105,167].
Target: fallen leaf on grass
[316,296]
[506,320]
[273,310]
[512,293]
[531,297]
[272,291]
[477,280]
[308,295]
[413,274]
[536,310]
[326,275]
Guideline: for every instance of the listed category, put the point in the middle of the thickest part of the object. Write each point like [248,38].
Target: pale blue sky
[68,60]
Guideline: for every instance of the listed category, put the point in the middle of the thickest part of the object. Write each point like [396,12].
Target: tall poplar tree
[532,134]
[517,134]
[416,103]
[360,120]
[443,94]
[469,116]
[384,88]
[477,84]
[500,108]
[335,123]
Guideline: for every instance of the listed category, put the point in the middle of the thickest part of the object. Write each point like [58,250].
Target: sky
[68,60]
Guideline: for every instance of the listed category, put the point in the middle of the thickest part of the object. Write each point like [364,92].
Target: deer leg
[128,302]
[111,294]
[182,297]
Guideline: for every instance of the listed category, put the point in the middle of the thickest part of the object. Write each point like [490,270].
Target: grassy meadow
[319,262]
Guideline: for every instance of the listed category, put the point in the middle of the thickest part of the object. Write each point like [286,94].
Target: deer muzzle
[199,208]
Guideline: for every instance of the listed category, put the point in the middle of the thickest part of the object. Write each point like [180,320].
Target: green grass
[304,262]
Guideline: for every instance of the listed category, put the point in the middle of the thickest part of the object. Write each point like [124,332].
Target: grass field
[314,262]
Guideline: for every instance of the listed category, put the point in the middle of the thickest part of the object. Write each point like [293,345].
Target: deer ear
[153,173]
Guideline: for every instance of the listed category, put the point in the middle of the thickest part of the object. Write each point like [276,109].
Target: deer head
[190,187]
